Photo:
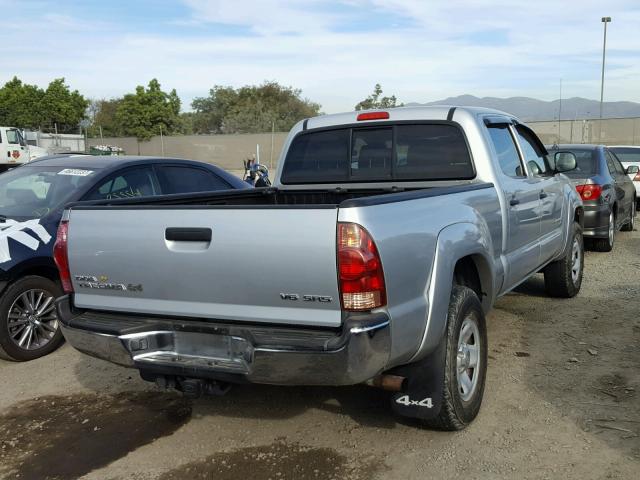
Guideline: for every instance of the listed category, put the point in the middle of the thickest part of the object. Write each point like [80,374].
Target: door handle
[543,194]
[514,201]
[188,234]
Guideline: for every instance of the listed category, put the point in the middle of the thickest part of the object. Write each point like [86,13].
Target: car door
[126,183]
[551,208]
[16,149]
[188,179]
[624,194]
[626,185]
[522,195]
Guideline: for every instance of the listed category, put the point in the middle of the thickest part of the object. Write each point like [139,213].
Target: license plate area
[221,353]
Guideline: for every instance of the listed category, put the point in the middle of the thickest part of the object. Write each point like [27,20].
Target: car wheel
[628,227]
[563,277]
[28,321]
[465,361]
[606,244]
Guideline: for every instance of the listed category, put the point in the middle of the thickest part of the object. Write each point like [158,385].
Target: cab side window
[537,161]
[506,150]
[182,179]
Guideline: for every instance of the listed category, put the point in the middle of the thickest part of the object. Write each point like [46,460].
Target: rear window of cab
[408,152]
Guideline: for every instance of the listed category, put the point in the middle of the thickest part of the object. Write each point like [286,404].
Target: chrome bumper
[206,349]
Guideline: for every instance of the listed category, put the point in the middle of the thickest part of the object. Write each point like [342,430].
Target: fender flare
[455,242]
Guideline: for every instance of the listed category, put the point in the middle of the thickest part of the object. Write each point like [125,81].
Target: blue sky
[335,51]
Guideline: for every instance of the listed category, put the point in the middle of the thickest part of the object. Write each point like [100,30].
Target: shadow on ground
[69,436]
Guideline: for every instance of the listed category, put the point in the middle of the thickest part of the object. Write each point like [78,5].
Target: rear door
[620,181]
[624,184]
[522,194]
[249,264]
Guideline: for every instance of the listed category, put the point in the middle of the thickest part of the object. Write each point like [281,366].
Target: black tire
[631,223]
[9,349]
[456,413]
[560,280]
[605,244]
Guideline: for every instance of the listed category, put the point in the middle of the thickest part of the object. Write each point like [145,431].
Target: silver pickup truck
[385,239]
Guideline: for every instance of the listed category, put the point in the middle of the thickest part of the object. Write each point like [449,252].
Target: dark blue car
[32,198]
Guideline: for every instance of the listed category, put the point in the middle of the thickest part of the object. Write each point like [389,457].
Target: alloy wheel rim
[32,321]
[576,261]
[468,358]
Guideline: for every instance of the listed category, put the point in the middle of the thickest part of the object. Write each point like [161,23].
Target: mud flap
[422,394]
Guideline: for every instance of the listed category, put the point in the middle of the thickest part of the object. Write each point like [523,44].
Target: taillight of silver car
[360,274]
[61,258]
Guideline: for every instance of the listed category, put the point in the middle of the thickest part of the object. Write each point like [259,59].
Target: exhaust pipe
[391,383]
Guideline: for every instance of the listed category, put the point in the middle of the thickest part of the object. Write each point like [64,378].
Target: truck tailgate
[271,265]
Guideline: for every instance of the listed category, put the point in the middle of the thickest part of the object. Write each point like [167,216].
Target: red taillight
[373,116]
[589,191]
[61,258]
[359,269]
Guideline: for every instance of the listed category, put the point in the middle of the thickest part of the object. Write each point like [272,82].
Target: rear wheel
[563,277]
[465,363]
[628,227]
[28,322]
[606,244]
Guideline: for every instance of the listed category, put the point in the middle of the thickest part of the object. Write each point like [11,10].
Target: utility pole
[273,132]
[161,141]
[605,20]
[560,112]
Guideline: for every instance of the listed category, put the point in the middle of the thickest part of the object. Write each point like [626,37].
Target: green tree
[144,113]
[376,100]
[20,104]
[102,115]
[62,108]
[28,106]
[251,109]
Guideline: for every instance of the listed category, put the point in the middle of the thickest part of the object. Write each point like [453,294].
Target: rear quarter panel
[409,237]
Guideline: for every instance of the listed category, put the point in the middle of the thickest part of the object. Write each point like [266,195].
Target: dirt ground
[562,401]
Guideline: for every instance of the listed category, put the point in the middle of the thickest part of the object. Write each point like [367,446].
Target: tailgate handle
[188,234]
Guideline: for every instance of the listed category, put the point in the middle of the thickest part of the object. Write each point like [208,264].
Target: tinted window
[611,165]
[535,158]
[371,152]
[627,154]
[586,162]
[177,179]
[432,152]
[616,164]
[506,150]
[400,152]
[137,182]
[319,157]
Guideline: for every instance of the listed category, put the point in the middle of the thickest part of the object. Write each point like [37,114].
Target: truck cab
[14,149]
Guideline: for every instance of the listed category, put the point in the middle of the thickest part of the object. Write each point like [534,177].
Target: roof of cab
[423,112]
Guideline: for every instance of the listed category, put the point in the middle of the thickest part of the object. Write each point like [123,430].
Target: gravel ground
[562,401]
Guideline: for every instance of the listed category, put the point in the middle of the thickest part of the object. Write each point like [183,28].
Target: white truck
[14,150]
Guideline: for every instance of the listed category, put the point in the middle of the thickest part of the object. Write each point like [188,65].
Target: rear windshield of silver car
[381,153]
[626,154]
[586,161]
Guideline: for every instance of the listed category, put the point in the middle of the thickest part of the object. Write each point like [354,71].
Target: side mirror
[633,169]
[565,161]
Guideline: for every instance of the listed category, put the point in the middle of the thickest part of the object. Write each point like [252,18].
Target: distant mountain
[531,109]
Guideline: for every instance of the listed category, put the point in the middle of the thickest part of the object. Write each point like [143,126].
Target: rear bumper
[596,221]
[232,352]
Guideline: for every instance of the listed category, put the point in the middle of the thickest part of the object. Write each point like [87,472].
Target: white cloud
[438,49]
